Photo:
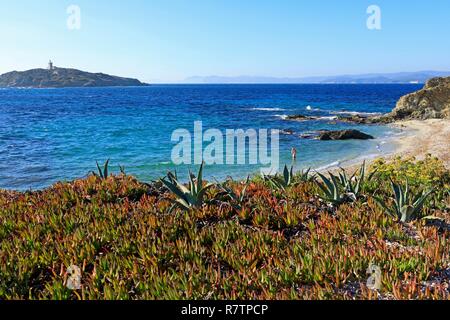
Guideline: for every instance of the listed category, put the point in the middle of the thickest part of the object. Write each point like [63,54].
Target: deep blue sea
[48,135]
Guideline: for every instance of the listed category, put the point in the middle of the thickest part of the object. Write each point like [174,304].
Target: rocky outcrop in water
[344,135]
[300,117]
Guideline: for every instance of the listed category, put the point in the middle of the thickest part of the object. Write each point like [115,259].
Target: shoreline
[418,139]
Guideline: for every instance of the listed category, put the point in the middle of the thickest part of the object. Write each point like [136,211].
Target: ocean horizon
[51,135]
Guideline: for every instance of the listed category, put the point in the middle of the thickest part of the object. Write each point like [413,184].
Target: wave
[310,108]
[356,113]
[329,118]
[282,116]
[268,109]
[329,165]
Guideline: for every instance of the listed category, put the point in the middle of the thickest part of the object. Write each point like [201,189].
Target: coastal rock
[360,119]
[341,118]
[344,135]
[63,78]
[300,117]
[432,102]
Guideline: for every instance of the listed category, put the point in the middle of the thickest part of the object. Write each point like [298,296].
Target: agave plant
[236,199]
[187,197]
[354,185]
[406,207]
[103,173]
[333,190]
[305,176]
[281,182]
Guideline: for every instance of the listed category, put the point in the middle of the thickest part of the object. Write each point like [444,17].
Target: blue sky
[169,40]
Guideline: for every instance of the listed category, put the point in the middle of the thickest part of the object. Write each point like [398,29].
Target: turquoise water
[47,135]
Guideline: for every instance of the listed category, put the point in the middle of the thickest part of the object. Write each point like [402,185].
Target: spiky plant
[406,206]
[236,200]
[187,197]
[305,176]
[102,173]
[281,182]
[333,190]
[354,184]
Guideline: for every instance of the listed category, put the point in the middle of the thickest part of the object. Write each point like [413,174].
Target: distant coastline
[419,77]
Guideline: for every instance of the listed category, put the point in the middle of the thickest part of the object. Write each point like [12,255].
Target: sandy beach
[418,139]
[424,137]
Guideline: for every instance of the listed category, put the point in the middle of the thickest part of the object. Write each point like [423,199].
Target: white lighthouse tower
[50,65]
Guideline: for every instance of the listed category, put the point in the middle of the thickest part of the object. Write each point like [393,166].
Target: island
[54,77]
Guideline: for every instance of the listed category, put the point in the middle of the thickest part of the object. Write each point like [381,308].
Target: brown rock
[344,135]
[432,102]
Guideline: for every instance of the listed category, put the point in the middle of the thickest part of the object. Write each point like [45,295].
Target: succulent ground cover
[241,240]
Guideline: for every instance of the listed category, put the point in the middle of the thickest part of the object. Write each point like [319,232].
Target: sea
[51,135]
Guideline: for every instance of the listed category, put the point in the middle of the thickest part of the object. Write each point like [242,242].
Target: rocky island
[54,77]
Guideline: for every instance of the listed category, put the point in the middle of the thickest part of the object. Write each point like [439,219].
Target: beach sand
[418,139]
[424,137]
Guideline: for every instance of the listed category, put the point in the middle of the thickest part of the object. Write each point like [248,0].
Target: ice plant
[280,245]
[236,199]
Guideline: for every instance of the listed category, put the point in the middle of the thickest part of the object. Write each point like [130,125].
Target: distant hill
[63,78]
[401,77]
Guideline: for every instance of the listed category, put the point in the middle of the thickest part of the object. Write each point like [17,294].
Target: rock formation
[432,102]
[344,135]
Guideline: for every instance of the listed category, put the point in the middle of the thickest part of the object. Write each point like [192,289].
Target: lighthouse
[50,65]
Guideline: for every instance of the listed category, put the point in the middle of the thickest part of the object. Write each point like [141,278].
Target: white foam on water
[327,166]
[268,109]
[327,118]
[356,113]
[311,108]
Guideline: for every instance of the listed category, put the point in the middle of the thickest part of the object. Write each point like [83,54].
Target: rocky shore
[424,118]
[432,102]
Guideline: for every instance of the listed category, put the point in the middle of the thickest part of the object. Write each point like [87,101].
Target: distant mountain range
[63,78]
[400,77]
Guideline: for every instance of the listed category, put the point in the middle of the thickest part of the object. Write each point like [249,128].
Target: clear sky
[169,40]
